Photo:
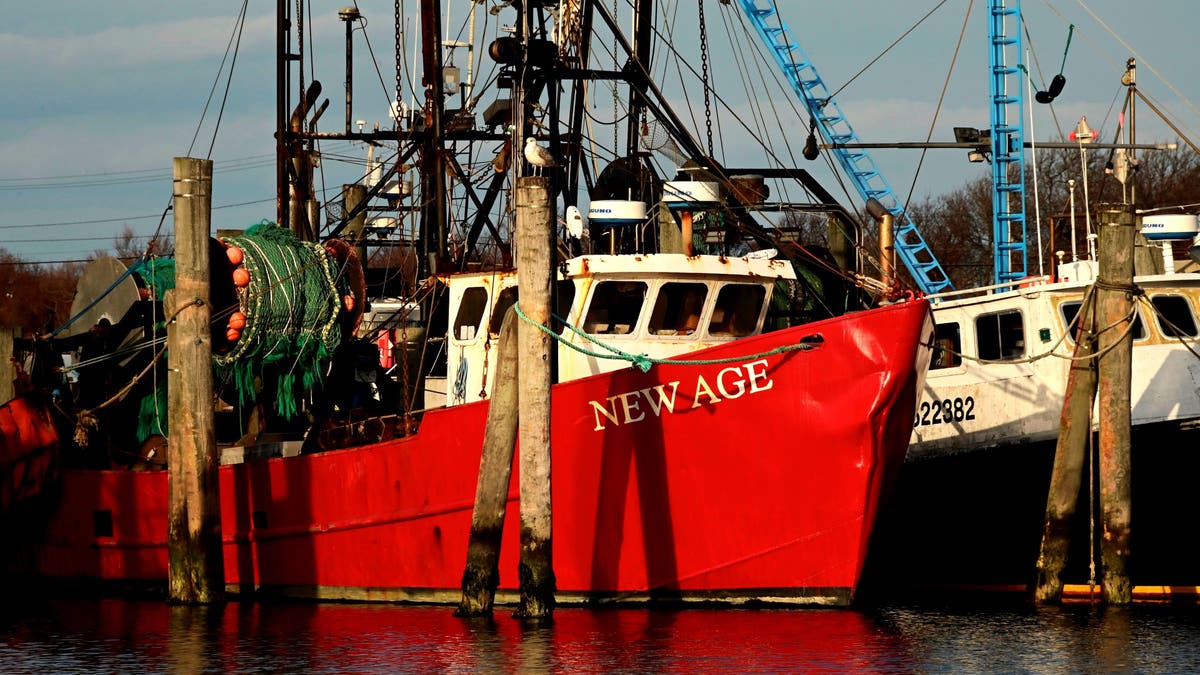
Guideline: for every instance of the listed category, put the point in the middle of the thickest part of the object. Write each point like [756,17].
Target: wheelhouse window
[737,310]
[470,313]
[1174,315]
[677,308]
[1000,337]
[947,345]
[1070,310]
[505,300]
[565,299]
[615,307]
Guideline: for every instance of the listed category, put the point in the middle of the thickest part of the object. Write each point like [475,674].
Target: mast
[1008,141]
[432,235]
[643,17]
[282,28]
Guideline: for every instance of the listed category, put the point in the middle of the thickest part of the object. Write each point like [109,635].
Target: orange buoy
[237,321]
[235,255]
[233,334]
[348,302]
[241,277]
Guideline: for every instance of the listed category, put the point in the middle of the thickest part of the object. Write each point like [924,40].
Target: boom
[836,130]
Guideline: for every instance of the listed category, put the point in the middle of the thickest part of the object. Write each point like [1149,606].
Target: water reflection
[108,635]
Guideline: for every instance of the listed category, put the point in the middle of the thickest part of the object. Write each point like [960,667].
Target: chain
[704,77]
[616,109]
[399,68]
[300,48]
[487,347]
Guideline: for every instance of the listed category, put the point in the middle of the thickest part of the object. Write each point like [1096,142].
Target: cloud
[128,46]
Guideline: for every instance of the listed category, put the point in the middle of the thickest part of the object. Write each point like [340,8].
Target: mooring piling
[1075,429]
[482,573]
[1115,305]
[196,572]
[534,231]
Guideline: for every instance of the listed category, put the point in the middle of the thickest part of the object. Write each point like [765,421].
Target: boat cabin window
[615,307]
[564,299]
[1070,310]
[677,308]
[947,345]
[737,310]
[1000,336]
[505,300]
[470,313]
[1174,314]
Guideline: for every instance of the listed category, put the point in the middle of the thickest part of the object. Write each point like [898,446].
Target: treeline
[38,296]
[957,225]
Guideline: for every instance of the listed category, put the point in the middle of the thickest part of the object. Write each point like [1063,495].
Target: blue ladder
[836,129]
[1009,255]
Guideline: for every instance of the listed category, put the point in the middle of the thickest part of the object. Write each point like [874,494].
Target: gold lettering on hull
[732,382]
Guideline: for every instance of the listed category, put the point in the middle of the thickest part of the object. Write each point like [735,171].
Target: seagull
[538,156]
[574,222]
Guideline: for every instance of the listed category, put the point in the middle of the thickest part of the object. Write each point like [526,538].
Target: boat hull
[973,521]
[757,477]
[29,448]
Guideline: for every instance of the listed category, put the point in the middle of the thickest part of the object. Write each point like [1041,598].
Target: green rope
[643,362]
[152,420]
[1070,32]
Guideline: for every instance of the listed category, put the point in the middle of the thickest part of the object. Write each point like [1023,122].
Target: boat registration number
[945,411]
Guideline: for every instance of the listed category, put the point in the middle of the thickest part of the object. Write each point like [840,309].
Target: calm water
[91,636]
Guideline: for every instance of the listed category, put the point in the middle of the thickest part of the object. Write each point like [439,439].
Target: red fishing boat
[759,478]
[745,457]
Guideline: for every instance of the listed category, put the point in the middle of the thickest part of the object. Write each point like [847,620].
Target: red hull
[762,480]
[28,450]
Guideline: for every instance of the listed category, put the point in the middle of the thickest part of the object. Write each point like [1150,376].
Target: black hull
[973,520]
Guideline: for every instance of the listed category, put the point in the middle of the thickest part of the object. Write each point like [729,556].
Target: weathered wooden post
[533,233]
[7,370]
[196,572]
[482,573]
[353,195]
[1075,428]
[1115,303]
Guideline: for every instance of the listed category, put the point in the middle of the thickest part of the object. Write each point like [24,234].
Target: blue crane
[1008,141]
[837,132]
[1009,254]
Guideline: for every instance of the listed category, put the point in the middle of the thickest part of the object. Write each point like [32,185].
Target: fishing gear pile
[289,296]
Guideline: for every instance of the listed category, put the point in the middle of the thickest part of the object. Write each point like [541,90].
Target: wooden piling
[353,195]
[1075,428]
[482,573]
[8,370]
[196,572]
[534,230]
[1115,302]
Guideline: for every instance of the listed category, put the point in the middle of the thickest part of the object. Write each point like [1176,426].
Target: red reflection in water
[389,638]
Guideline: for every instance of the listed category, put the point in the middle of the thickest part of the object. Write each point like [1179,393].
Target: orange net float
[237,321]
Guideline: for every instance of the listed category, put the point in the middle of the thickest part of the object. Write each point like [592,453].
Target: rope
[86,419]
[643,362]
[1070,32]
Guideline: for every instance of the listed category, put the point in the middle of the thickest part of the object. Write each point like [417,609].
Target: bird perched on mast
[538,156]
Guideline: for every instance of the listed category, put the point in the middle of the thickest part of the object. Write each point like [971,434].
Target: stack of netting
[288,293]
[159,276]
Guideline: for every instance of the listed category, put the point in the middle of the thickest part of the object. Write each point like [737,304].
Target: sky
[99,96]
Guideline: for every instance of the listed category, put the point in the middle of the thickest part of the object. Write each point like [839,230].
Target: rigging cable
[888,48]
[941,99]
[1139,57]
